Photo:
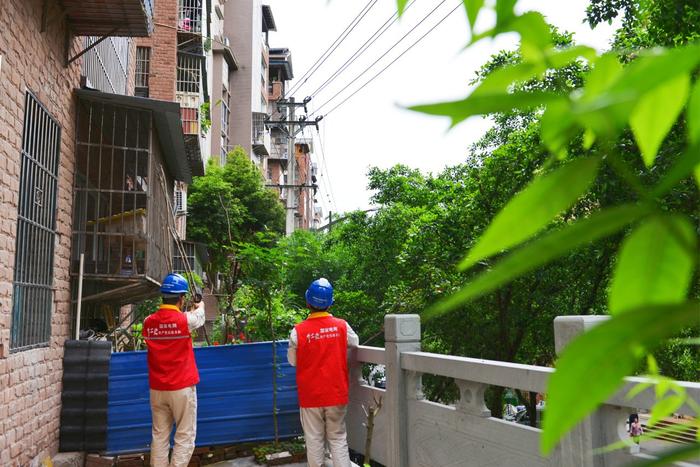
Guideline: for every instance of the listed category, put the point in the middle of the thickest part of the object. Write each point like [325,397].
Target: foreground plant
[653,95]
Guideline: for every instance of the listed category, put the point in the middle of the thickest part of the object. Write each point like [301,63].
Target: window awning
[168,125]
[132,18]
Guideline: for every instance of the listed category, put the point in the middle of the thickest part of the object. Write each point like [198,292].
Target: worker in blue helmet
[172,373]
[318,348]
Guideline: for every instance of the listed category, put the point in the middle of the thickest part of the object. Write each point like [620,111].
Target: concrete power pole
[291,169]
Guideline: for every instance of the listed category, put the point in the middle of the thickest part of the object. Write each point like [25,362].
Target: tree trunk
[268,302]
[497,401]
[532,408]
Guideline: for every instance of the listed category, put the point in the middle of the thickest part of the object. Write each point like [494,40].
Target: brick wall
[163,44]
[30,381]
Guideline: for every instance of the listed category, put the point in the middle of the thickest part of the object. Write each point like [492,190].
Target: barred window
[189,70]
[143,66]
[32,292]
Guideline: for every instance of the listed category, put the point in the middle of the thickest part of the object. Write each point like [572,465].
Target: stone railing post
[590,434]
[402,334]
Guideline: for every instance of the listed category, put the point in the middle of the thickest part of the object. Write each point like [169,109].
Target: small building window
[180,199]
[32,292]
[143,66]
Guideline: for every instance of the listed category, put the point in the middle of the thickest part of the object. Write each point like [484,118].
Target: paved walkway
[250,462]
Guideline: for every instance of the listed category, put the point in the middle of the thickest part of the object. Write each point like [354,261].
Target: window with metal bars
[32,293]
[189,69]
[190,16]
[143,67]
[180,199]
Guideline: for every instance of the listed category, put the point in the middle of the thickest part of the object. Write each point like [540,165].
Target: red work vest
[171,364]
[322,365]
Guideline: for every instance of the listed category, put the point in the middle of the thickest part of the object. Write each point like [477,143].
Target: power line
[325,164]
[384,54]
[326,179]
[363,48]
[388,65]
[339,40]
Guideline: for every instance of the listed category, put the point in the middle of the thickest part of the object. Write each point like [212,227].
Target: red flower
[216,343]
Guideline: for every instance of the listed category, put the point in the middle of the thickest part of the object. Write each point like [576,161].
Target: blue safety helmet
[174,284]
[319,295]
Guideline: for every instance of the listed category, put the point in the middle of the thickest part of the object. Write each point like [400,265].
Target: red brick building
[48,136]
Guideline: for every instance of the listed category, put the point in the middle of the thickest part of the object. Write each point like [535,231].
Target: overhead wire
[386,67]
[323,178]
[363,48]
[325,165]
[339,40]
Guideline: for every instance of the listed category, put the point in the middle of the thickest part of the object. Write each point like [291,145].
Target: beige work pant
[168,407]
[321,425]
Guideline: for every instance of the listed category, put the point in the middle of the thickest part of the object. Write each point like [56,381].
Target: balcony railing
[410,430]
[261,135]
[189,91]
[190,15]
[131,18]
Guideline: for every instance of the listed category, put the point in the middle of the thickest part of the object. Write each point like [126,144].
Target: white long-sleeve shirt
[353,341]
[196,317]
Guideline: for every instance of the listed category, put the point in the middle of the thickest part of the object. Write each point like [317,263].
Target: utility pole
[291,168]
[292,126]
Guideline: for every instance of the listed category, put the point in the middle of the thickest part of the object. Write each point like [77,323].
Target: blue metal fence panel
[234,397]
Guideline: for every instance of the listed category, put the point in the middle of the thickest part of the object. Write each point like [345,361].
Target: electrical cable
[325,164]
[430,13]
[385,68]
[324,56]
[363,48]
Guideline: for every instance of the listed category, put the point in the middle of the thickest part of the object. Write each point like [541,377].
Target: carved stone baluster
[414,385]
[471,398]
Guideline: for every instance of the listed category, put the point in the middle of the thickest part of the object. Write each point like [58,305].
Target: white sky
[372,128]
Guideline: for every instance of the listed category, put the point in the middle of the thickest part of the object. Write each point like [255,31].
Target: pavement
[250,462]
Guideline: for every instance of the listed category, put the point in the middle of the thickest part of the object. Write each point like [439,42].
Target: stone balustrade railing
[411,431]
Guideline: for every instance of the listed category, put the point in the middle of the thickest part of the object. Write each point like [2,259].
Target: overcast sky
[372,128]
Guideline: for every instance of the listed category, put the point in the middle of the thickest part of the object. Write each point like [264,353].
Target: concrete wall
[240,29]
[216,75]
[411,431]
[30,381]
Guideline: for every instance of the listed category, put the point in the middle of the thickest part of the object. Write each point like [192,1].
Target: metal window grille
[114,181]
[190,16]
[36,228]
[179,261]
[143,68]
[180,200]
[105,65]
[259,127]
[189,71]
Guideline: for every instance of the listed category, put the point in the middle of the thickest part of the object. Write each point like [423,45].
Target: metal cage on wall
[189,17]
[121,203]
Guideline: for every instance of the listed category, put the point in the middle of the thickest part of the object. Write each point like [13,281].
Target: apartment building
[247,24]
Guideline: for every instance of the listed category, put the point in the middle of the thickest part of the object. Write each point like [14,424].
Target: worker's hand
[196,307]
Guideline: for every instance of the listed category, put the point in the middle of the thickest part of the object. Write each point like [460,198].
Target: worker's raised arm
[196,316]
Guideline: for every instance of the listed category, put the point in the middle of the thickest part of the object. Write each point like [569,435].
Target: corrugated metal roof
[234,397]
[133,18]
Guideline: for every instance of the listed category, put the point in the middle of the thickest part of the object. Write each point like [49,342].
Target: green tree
[229,205]
[649,289]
